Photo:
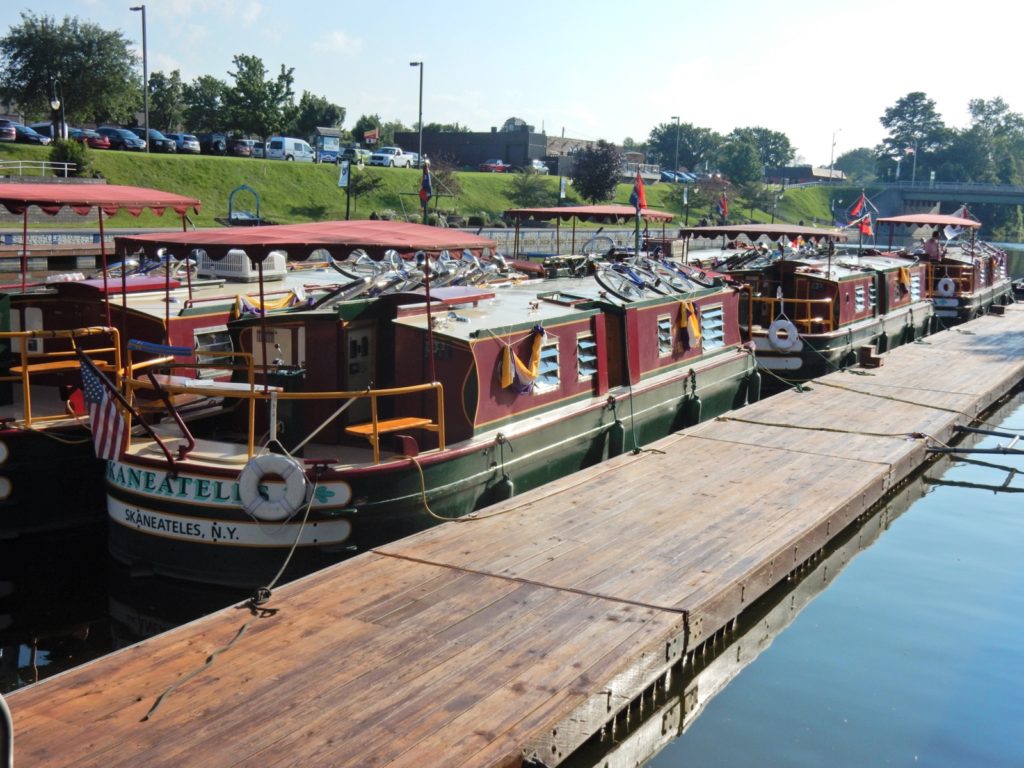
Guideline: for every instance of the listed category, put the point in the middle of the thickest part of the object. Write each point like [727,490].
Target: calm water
[911,655]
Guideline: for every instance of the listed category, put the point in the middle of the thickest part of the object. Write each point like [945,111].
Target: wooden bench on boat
[385,426]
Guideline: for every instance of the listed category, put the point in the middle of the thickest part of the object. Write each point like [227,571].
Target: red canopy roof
[771,231]
[597,213]
[82,198]
[930,220]
[299,240]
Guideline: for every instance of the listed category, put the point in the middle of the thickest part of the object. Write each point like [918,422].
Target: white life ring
[781,324]
[253,473]
[946,287]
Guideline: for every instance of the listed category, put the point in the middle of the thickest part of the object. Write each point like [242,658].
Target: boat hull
[49,480]
[158,523]
[818,354]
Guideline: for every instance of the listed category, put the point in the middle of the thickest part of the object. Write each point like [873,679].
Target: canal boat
[969,277]
[360,420]
[809,310]
[44,433]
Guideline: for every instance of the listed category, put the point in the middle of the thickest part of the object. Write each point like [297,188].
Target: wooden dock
[518,635]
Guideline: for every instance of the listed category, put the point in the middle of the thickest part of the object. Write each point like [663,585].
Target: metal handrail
[259,393]
[36,363]
[66,169]
[803,318]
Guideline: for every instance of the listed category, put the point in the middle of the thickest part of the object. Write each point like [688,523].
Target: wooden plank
[522,632]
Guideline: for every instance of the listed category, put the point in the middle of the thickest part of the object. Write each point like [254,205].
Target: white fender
[791,338]
[253,473]
[946,287]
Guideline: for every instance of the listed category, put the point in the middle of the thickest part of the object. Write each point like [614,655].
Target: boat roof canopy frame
[929,220]
[756,231]
[52,197]
[375,237]
[601,214]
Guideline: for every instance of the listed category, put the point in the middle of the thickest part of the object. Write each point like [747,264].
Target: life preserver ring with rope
[782,343]
[258,505]
[946,287]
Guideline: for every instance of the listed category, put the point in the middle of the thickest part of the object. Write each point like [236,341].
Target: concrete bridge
[918,196]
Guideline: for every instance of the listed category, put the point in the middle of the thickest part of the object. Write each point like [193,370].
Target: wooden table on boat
[521,633]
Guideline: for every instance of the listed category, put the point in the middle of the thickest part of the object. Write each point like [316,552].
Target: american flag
[109,429]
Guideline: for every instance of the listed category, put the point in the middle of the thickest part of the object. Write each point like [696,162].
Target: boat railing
[57,362]
[809,315]
[254,392]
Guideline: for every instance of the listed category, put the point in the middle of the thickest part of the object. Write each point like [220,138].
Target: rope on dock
[783,425]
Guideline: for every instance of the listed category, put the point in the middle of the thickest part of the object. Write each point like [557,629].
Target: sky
[821,72]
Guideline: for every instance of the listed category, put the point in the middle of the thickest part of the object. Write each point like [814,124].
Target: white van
[287,148]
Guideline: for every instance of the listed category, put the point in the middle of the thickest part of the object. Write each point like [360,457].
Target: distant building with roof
[802,174]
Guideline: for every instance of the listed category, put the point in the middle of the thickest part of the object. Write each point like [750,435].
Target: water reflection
[668,709]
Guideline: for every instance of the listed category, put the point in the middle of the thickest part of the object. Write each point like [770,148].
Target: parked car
[288,148]
[539,166]
[355,155]
[7,132]
[495,165]
[259,149]
[157,141]
[90,138]
[45,127]
[213,143]
[241,147]
[184,143]
[121,138]
[390,157]
[26,135]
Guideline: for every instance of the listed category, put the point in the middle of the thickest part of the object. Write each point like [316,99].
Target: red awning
[771,231]
[930,220]
[82,198]
[339,238]
[605,214]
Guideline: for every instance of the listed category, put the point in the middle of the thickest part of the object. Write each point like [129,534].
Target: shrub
[476,220]
[73,152]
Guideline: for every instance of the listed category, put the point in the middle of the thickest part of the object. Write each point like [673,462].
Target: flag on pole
[638,199]
[426,189]
[857,207]
[109,428]
[723,206]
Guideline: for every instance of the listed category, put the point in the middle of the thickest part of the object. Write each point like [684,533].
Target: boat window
[586,356]
[665,335]
[547,377]
[215,339]
[712,326]
[860,298]
[915,286]
[872,294]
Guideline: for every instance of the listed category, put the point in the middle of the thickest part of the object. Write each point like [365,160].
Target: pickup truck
[391,157]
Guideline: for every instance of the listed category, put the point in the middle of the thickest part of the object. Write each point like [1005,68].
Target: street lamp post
[145,73]
[913,168]
[57,115]
[832,154]
[675,168]
[420,65]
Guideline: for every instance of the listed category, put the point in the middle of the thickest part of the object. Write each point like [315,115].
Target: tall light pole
[57,116]
[913,168]
[832,154]
[675,168]
[420,65]
[145,73]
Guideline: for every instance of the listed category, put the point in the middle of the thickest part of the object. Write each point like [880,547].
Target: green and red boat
[362,420]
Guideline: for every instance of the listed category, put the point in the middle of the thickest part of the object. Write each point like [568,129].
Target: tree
[166,101]
[740,161]
[204,104]
[773,147]
[696,145]
[530,190]
[859,165]
[913,126]
[95,68]
[315,112]
[595,171]
[365,124]
[258,105]
[445,128]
